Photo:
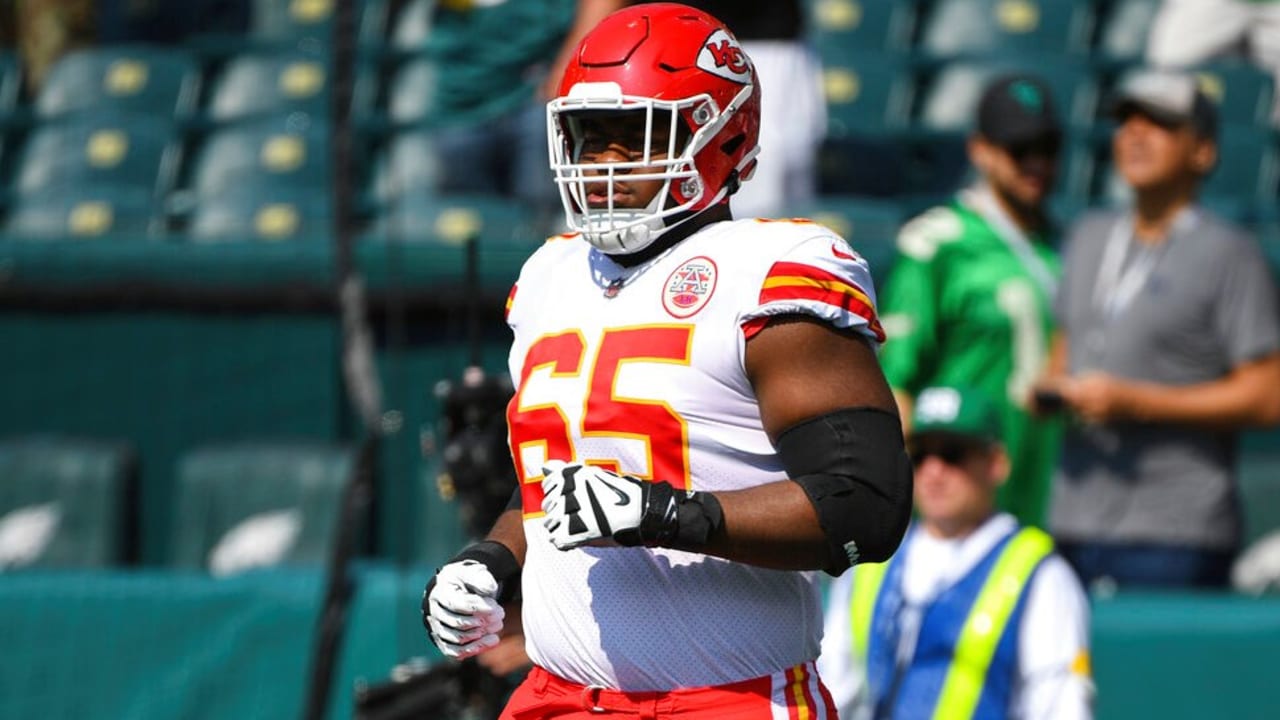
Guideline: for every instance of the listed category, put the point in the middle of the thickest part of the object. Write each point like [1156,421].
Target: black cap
[1017,109]
[1168,97]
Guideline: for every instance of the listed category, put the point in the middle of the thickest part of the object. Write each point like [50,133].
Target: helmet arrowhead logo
[722,55]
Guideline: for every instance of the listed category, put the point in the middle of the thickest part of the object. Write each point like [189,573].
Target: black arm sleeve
[854,467]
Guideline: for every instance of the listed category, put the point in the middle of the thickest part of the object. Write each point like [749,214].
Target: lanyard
[982,201]
[1118,285]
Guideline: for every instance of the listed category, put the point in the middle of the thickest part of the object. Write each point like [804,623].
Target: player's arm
[826,406]
[462,603]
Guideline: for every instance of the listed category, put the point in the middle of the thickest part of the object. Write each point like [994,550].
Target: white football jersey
[640,370]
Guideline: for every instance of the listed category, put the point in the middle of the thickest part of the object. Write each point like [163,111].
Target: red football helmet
[681,71]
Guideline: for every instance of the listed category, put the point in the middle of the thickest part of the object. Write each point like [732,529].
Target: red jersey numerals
[606,413]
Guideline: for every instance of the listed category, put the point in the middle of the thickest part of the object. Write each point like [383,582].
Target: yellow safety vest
[983,627]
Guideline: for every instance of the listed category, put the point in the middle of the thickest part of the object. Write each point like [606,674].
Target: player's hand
[460,609]
[590,505]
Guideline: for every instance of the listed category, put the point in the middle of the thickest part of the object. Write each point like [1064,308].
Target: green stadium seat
[870,225]
[408,164]
[83,213]
[1259,475]
[1242,91]
[411,92]
[954,28]
[947,100]
[243,506]
[412,25]
[306,23]
[840,27]
[157,81]
[258,152]
[10,83]
[448,220]
[261,213]
[1122,31]
[65,503]
[253,85]
[101,150]
[435,229]
[867,94]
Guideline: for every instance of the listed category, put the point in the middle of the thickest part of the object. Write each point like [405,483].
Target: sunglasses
[1048,147]
[951,452]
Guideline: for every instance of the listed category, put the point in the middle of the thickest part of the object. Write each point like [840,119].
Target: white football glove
[461,611]
[590,505]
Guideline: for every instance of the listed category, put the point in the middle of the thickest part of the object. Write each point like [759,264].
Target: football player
[700,422]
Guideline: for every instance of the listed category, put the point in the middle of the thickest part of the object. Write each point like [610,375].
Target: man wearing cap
[969,297]
[1169,345]
[974,616]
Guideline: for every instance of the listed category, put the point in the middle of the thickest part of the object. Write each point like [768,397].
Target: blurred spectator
[45,30]
[1169,345]
[1186,33]
[969,297]
[894,631]
[492,58]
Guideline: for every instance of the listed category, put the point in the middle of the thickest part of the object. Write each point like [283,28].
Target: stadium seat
[1259,475]
[252,505]
[448,220]
[411,92]
[1077,170]
[259,152]
[867,94]
[869,225]
[1242,91]
[436,229]
[306,23]
[412,25]
[406,165]
[10,83]
[101,150]
[253,85]
[954,28]
[65,503]
[262,213]
[1122,31]
[838,28]
[156,81]
[1248,168]
[83,212]
[947,100]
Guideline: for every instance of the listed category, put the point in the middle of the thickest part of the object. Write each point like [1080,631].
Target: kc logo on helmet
[722,55]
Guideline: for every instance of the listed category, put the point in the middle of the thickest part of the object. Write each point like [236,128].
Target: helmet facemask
[665,139]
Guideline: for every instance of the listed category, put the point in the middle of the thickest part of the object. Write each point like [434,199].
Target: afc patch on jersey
[689,287]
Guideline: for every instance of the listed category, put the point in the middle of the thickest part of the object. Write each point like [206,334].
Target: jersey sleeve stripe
[511,298]
[843,299]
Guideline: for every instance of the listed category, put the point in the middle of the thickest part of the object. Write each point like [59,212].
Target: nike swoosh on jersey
[835,250]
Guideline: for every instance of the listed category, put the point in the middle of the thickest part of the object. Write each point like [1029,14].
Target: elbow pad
[853,465]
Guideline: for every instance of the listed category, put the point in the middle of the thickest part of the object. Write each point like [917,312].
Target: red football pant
[794,694]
